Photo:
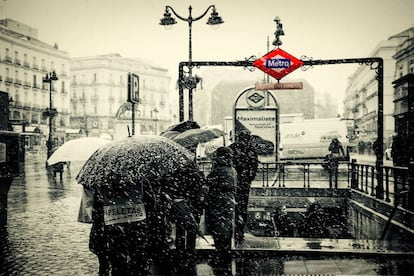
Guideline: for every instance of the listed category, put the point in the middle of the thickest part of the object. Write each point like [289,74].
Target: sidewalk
[43,237]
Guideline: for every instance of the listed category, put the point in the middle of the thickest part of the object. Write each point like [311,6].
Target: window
[94,77]
[34,81]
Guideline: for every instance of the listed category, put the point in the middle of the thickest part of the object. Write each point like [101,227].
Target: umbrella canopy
[170,134]
[77,150]
[137,163]
[182,126]
[132,160]
[191,138]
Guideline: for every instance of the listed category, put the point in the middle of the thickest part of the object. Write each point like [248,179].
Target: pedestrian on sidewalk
[58,168]
[336,151]
[221,183]
[245,161]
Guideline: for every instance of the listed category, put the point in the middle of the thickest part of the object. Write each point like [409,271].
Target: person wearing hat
[221,183]
[245,160]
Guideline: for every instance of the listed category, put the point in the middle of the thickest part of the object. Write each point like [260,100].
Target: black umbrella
[192,137]
[182,126]
[134,163]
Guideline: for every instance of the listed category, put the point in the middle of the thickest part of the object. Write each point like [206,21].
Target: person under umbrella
[127,179]
[221,183]
[245,160]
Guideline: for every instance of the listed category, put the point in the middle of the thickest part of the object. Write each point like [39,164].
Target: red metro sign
[277,63]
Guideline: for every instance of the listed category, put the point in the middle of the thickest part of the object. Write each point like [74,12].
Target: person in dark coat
[221,183]
[336,148]
[400,158]
[336,151]
[187,186]
[58,168]
[245,161]
[120,243]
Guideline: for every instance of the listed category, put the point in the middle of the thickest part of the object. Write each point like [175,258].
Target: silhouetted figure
[190,180]
[400,158]
[221,182]
[284,227]
[245,161]
[58,168]
[120,243]
[336,151]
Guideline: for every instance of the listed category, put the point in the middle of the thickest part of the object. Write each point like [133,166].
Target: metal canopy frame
[375,63]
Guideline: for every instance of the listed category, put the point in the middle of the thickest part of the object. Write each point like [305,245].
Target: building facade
[99,87]
[24,62]
[404,89]
[361,97]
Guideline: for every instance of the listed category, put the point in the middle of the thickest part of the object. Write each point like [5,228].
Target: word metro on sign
[277,63]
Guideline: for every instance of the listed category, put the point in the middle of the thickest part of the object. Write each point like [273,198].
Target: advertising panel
[262,124]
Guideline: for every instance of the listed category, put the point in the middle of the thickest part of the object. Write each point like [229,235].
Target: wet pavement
[43,237]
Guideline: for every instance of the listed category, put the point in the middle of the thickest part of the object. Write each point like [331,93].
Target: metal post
[49,78]
[133,119]
[50,137]
[190,66]
[181,91]
[189,82]
[380,131]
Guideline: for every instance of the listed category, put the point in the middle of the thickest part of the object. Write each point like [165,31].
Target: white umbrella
[77,150]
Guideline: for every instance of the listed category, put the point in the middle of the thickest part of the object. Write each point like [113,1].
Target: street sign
[277,63]
[279,86]
[133,88]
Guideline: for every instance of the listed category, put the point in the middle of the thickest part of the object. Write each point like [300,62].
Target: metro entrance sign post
[277,63]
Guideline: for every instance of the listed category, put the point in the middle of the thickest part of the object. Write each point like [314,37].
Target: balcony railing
[35,66]
[8,59]
[17,61]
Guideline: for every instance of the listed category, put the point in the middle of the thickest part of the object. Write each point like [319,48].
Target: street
[43,236]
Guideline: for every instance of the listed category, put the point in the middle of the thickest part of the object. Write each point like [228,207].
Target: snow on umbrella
[170,134]
[122,166]
[190,138]
[140,157]
[77,150]
[182,126]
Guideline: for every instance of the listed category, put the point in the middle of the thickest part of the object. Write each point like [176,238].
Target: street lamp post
[154,113]
[49,78]
[190,82]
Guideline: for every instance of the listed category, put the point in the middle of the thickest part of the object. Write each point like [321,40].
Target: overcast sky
[321,29]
